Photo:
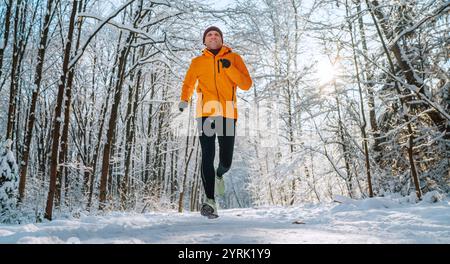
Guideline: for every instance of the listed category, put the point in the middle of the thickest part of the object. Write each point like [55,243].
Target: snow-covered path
[376,220]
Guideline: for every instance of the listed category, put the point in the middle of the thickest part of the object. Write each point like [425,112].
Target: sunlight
[325,71]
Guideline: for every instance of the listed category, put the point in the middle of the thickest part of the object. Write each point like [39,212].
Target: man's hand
[182,105]
[225,63]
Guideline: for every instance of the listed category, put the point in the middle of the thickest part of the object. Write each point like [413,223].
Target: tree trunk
[363,116]
[65,131]
[113,120]
[130,128]
[290,127]
[133,123]
[157,176]
[405,66]
[103,112]
[369,80]
[43,153]
[343,142]
[17,125]
[187,157]
[162,161]
[173,172]
[14,68]
[5,34]
[149,128]
[402,104]
[57,117]
[32,116]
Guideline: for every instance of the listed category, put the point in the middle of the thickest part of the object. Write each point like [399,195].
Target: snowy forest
[349,98]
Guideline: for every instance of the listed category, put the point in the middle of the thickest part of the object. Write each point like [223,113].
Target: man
[216,74]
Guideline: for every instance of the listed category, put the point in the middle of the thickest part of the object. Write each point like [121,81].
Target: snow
[373,220]
[8,183]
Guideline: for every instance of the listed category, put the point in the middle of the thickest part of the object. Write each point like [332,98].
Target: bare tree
[67,109]
[9,6]
[57,117]
[187,157]
[363,116]
[34,98]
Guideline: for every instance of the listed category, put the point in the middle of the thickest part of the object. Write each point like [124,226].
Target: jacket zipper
[232,96]
[215,81]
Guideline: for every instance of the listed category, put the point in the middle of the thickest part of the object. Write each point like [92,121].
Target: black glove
[225,63]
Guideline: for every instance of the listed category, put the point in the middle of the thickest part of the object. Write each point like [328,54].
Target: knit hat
[212,28]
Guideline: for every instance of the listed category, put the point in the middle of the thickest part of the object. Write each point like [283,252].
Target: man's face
[213,40]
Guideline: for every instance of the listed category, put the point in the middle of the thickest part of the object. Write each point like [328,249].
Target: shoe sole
[208,211]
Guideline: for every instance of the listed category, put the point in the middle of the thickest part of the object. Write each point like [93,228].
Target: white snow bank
[375,220]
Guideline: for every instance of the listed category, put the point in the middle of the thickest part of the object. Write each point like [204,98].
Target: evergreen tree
[8,184]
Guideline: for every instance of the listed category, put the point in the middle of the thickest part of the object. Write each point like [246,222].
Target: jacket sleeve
[238,73]
[189,83]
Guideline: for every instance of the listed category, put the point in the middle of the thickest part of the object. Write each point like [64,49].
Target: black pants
[224,128]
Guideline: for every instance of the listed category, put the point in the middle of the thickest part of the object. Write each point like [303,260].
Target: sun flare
[325,71]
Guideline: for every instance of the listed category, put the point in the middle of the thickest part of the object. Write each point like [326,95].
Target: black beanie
[212,28]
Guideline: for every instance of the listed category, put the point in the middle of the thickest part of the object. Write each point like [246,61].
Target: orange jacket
[216,86]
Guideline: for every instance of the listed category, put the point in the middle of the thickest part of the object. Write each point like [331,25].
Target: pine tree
[9,181]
